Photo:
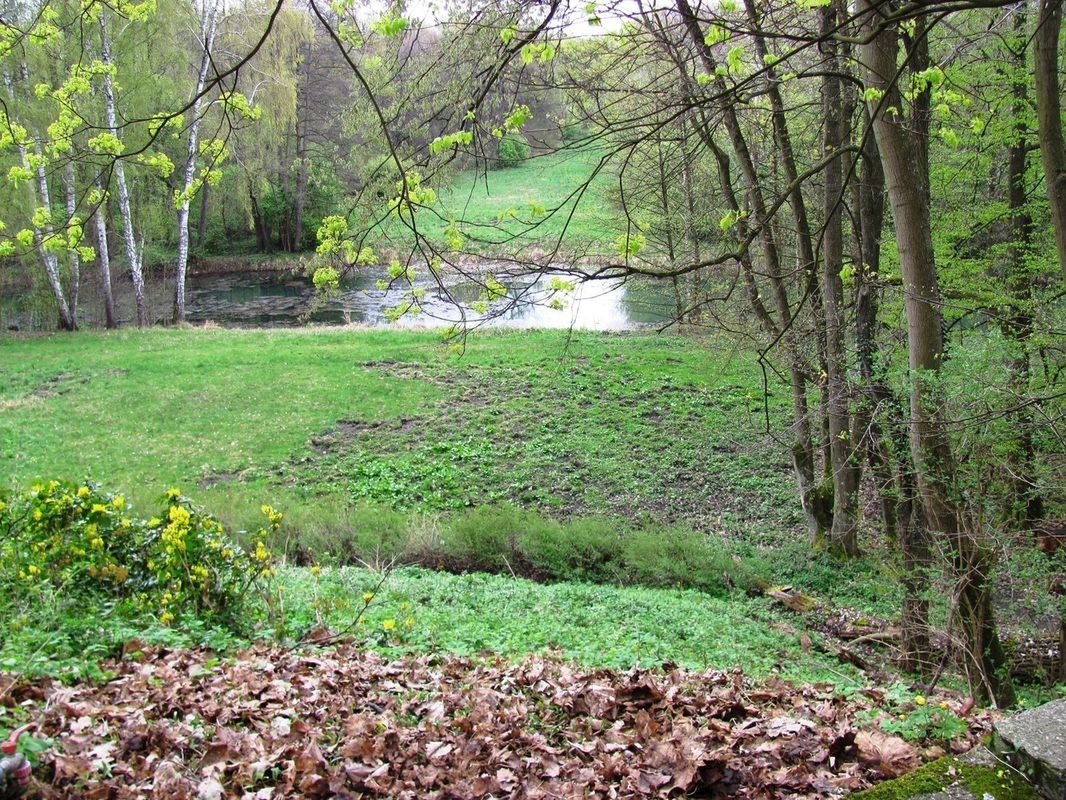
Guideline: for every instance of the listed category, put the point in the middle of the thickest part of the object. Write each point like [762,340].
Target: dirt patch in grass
[591,437]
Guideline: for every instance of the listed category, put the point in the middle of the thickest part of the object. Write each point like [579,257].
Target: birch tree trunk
[70,192]
[38,194]
[133,253]
[40,239]
[207,35]
[1049,117]
[103,259]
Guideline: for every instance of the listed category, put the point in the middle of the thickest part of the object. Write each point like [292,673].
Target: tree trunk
[982,655]
[1027,501]
[103,259]
[201,222]
[133,253]
[1049,117]
[38,194]
[816,506]
[70,195]
[207,35]
[40,239]
[843,535]
[301,186]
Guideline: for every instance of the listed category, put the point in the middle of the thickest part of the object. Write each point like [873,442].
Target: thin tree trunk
[207,35]
[983,657]
[301,186]
[843,535]
[1028,502]
[129,236]
[38,193]
[103,259]
[1049,117]
[71,198]
[40,239]
[201,223]
[812,494]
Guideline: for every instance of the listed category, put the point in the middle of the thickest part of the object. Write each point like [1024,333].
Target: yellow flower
[166,617]
[316,570]
[179,515]
[33,569]
[919,701]
[99,508]
[261,553]
[97,543]
[3,505]
[943,704]
[227,554]
[118,501]
[368,596]
[83,492]
[409,622]
[154,522]
[388,625]
[174,493]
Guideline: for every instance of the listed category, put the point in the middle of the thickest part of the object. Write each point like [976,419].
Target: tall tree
[901,157]
[1049,116]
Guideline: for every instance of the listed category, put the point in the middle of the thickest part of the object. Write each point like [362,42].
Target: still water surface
[258,299]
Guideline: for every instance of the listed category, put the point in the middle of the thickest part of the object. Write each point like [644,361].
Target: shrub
[582,550]
[677,557]
[513,150]
[75,548]
[484,538]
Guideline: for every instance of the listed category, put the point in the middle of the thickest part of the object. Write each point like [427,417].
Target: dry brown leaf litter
[348,723]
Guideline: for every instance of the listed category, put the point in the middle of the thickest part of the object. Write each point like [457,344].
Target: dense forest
[867,200]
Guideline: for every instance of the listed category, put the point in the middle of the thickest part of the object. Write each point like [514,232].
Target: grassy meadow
[541,202]
[581,459]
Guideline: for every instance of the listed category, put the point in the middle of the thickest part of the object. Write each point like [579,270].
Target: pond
[271,299]
[284,299]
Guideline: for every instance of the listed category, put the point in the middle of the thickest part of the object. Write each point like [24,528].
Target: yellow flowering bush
[81,543]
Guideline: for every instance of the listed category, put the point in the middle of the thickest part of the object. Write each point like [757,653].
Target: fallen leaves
[346,723]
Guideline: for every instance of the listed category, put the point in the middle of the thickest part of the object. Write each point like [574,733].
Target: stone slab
[1034,742]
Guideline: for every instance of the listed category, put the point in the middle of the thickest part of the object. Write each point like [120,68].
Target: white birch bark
[40,237]
[69,190]
[207,34]
[133,254]
[38,198]
[103,259]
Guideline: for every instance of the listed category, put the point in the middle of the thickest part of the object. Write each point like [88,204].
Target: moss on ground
[1000,783]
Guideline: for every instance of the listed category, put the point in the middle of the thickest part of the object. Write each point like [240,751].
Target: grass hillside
[542,202]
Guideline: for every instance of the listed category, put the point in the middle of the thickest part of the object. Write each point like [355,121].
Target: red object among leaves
[346,723]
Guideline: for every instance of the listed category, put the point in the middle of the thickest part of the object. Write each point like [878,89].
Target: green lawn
[640,426]
[542,202]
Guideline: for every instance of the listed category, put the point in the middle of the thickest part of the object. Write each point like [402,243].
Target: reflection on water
[281,299]
[270,300]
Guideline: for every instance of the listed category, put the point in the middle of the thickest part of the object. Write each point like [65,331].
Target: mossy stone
[950,773]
